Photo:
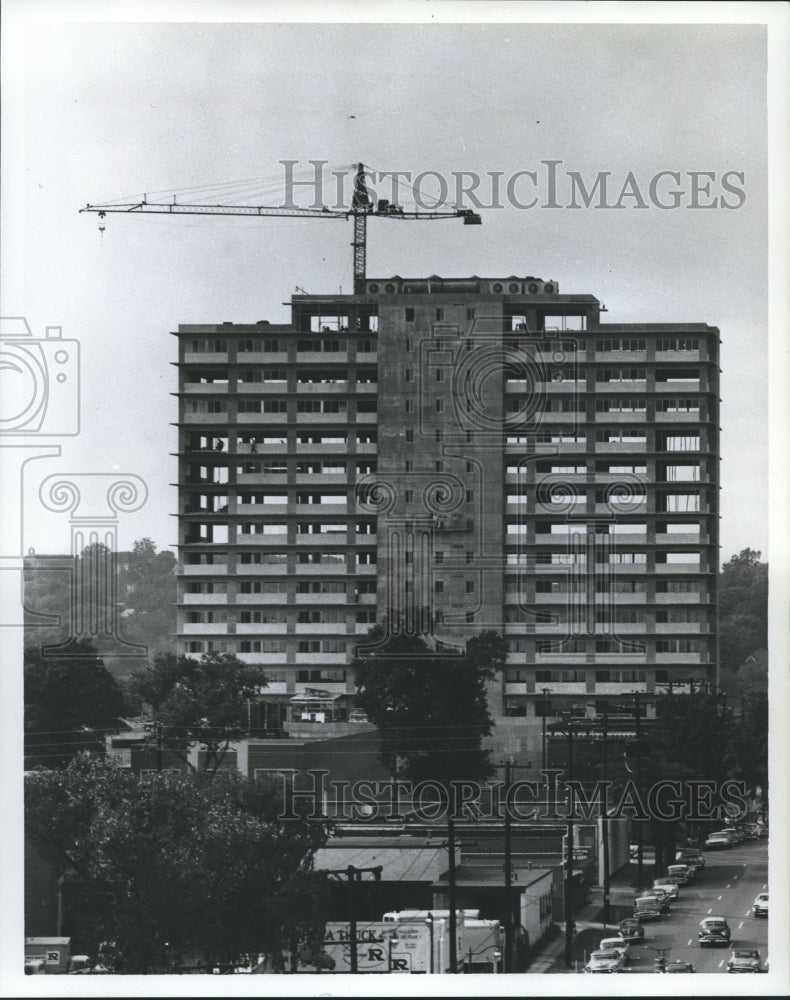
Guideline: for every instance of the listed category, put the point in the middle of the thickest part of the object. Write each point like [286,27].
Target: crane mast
[361,209]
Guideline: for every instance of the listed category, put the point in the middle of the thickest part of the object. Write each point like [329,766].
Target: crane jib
[359,213]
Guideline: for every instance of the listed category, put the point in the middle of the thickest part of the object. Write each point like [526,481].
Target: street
[726,887]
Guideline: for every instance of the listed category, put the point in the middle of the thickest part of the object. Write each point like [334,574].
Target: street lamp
[392,939]
[429,922]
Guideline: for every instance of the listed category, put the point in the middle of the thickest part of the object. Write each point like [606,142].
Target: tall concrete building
[467,454]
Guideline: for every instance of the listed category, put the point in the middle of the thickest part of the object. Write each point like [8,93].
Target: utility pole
[352,877]
[508,872]
[569,923]
[605,822]
[451,885]
[640,830]
[159,747]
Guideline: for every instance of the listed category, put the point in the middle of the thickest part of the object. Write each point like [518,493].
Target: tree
[176,868]
[750,741]
[743,608]
[66,700]
[430,707]
[203,701]
[148,585]
[691,740]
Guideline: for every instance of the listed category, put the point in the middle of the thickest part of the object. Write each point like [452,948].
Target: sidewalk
[589,925]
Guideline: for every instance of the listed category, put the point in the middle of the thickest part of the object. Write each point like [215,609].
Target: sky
[114,109]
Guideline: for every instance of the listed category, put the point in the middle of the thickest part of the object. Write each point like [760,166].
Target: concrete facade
[471,453]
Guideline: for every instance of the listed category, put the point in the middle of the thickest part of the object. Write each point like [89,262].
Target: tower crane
[362,207]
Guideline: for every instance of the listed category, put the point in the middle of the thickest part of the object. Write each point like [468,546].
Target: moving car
[760,905]
[713,931]
[617,944]
[668,885]
[744,960]
[631,930]
[604,961]
[679,966]
[718,841]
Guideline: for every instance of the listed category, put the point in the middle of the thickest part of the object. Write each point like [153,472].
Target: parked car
[662,896]
[668,885]
[718,842]
[616,944]
[679,966]
[682,874]
[760,905]
[690,856]
[713,931]
[631,930]
[647,908]
[604,961]
[745,960]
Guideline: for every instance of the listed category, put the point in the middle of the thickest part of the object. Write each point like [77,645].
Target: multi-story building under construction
[451,455]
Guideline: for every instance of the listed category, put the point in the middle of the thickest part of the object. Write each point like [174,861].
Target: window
[408,465]
[408,375]
[470,586]
[620,344]
[440,406]
[259,617]
[409,316]
[470,496]
[409,405]
[408,496]
[409,345]
[620,375]
[470,617]
[677,587]
[438,587]
[677,344]
[366,558]
[269,406]
[438,557]
[308,646]
[678,405]
[440,314]
[409,437]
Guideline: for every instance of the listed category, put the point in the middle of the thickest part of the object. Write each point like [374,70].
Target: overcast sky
[115,109]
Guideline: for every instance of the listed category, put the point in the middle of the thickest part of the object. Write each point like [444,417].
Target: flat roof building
[477,453]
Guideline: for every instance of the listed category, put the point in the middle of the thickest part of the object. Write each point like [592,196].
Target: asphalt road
[725,887]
